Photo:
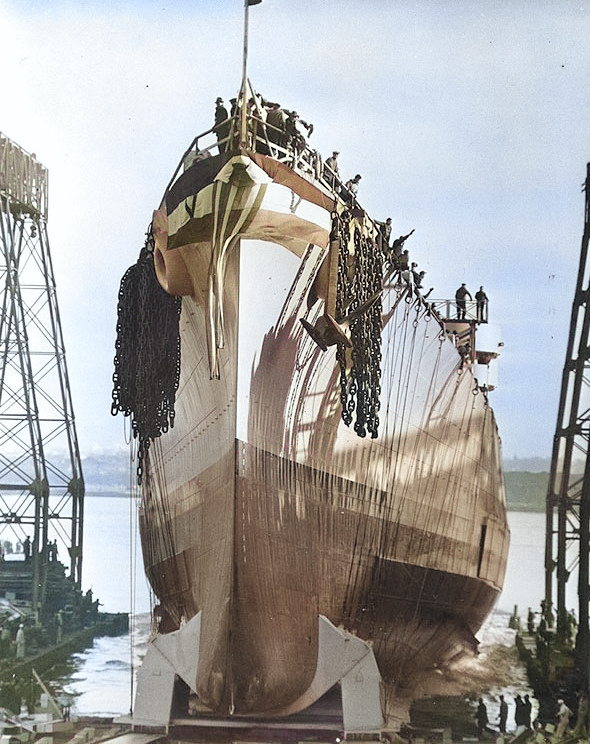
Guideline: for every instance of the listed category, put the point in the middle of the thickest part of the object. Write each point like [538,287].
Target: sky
[468,121]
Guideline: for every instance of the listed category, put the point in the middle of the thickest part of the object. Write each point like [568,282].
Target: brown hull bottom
[407,639]
[298,553]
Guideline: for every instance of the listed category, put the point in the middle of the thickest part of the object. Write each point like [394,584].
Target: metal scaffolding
[41,482]
[568,496]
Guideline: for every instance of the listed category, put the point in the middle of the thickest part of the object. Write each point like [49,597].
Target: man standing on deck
[460,296]
[351,187]
[397,246]
[385,230]
[331,171]
[276,125]
[481,299]
[221,128]
[296,139]
[403,262]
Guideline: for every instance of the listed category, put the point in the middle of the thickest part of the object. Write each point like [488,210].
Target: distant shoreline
[526,479]
[100,492]
[525,491]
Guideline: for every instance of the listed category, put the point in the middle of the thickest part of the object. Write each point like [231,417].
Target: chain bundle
[147,353]
[359,280]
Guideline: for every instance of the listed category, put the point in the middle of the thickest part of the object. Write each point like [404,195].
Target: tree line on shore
[526,479]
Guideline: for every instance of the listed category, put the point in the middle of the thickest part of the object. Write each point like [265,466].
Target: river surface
[101,682]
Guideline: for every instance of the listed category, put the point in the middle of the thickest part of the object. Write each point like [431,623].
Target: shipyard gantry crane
[567,543]
[41,482]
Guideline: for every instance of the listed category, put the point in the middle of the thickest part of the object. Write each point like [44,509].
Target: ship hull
[263,511]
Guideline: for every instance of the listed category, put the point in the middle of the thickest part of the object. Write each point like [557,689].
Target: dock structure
[568,495]
[41,481]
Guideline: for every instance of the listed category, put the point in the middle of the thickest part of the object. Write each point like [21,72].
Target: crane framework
[41,481]
[567,544]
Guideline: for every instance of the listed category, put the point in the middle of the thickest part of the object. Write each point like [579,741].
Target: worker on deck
[418,278]
[481,300]
[403,261]
[460,298]
[385,230]
[331,172]
[276,120]
[293,124]
[397,247]
[222,124]
[351,187]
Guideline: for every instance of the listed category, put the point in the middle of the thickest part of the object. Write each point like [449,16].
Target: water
[101,684]
[111,549]
[525,576]
[101,681]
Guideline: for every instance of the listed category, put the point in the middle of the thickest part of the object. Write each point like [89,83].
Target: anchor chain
[359,279]
[341,234]
[147,353]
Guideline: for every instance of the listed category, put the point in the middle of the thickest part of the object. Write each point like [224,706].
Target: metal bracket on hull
[342,659]
[360,682]
[348,660]
[168,655]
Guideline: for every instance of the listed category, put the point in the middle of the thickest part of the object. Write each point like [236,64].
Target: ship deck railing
[266,139]
[294,152]
[449,311]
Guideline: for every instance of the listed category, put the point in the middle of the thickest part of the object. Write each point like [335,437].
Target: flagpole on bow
[243,96]
[245,50]
[244,92]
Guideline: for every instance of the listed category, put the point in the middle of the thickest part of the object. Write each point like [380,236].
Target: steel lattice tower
[568,497]
[41,482]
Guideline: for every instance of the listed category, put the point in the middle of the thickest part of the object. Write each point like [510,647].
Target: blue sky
[468,122]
